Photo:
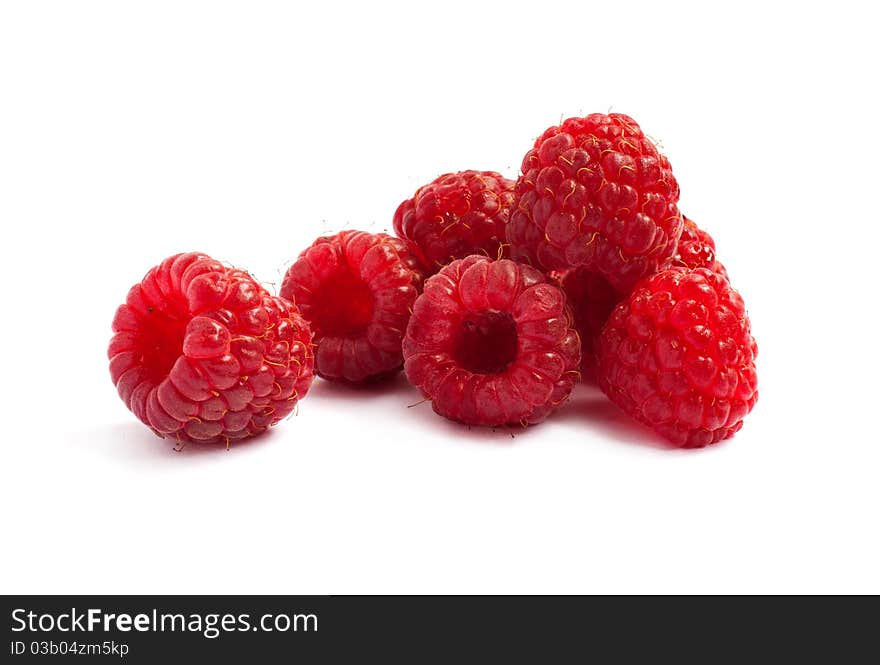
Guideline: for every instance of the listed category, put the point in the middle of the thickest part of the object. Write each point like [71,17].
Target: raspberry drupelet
[596,192]
[678,355]
[203,353]
[696,249]
[457,215]
[491,343]
[357,291]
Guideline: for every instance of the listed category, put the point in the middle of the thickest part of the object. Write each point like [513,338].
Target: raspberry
[491,343]
[457,215]
[591,299]
[357,290]
[696,249]
[678,355]
[203,353]
[595,192]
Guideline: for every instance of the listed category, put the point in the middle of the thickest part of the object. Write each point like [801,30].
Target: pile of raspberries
[496,298]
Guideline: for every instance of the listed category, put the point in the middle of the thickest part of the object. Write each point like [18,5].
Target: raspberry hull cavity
[357,291]
[595,192]
[457,215]
[203,353]
[491,343]
[679,356]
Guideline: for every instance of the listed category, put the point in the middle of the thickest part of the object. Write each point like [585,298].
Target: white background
[132,131]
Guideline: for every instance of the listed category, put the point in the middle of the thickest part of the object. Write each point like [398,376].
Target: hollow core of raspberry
[486,342]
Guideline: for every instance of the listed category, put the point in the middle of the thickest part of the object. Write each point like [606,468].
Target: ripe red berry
[679,356]
[696,249]
[203,353]
[457,215]
[491,343]
[591,299]
[595,192]
[357,290]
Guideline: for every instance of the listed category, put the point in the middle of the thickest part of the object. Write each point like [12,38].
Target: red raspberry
[595,192]
[357,290]
[203,353]
[491,343]
[696,249]
[591,299]
[457,215]
[678,355]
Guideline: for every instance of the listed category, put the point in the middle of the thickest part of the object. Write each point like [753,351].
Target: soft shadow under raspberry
[589,407]
[135,443]
[386,385]
[411,408]
[503,435]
